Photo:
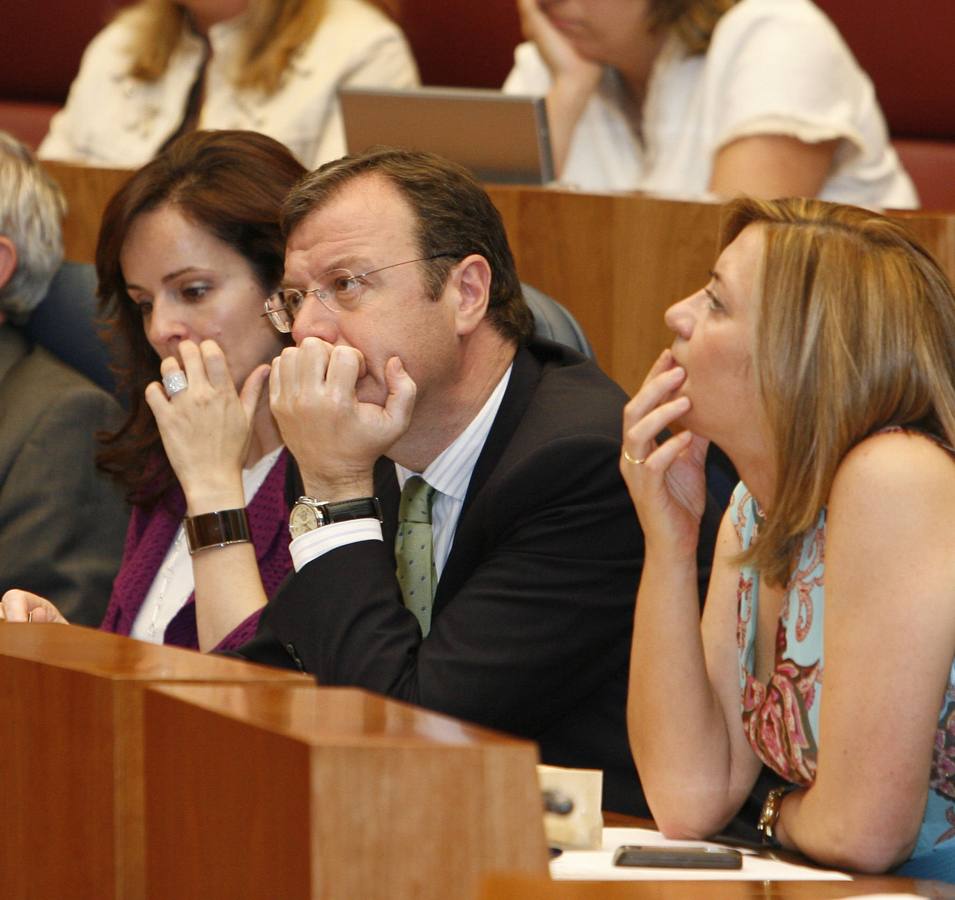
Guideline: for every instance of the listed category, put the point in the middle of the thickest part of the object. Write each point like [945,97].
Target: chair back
[65,324]
[554,322]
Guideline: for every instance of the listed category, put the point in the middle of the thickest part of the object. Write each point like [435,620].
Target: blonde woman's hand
[667,481]
[22,606]
[206,427]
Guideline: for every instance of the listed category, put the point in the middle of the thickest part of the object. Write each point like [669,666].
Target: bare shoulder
[896,466]
[889,526]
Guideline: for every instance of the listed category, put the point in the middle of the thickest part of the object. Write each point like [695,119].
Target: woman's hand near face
[22,606]
[557,52]
[574,79]
[678,674]
[668,488]
[206,428]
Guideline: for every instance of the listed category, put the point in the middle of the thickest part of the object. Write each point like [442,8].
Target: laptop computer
[501,138]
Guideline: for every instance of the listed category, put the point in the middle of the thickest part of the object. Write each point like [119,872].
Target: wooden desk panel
[330,793]
[615,261]
[71,780]
[522,887]
[511,886]
[618,261]
[87,191]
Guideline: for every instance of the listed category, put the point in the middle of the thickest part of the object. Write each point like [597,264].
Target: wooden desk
[522,887]
[254,791]
[615,261]
[71,754]
[512,886]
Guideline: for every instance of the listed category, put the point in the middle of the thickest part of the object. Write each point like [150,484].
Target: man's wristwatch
[309,513]
[769,815]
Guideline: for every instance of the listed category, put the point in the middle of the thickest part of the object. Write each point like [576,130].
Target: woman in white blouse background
[162,68]
[701,98]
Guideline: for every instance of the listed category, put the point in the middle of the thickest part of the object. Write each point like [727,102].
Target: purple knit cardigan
[147,543]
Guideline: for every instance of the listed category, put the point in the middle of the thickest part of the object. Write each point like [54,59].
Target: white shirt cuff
[320,541]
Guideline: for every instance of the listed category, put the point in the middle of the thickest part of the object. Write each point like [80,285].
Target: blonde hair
[693,20]
[855,332]
[274,32]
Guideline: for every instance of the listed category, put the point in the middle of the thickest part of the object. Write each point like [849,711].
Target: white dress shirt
[112,119]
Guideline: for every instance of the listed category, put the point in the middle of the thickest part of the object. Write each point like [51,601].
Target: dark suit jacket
[61,521]
[533,612]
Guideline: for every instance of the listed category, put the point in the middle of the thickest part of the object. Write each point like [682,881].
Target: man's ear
[472,279]
[8,259]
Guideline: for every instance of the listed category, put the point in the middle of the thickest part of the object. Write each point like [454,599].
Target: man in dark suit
[414,358]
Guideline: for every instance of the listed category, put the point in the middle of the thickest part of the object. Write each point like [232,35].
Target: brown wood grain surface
[71,775]
[522,887]
[330,793]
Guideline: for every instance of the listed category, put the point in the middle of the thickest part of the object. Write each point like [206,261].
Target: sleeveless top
[781,718]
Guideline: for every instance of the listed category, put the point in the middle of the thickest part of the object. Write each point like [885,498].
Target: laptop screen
[501,138]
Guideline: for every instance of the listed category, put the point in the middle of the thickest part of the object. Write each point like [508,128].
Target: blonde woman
[821,357]
[161,69]
[692,98]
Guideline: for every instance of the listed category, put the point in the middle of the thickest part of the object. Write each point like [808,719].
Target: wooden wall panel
[71,766]
[87,190]
[336,793]
[615,261]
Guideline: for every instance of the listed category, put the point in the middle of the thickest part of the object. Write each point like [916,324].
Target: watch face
[302,519]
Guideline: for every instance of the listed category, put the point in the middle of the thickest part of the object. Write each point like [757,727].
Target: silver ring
[175,382]
[630,459]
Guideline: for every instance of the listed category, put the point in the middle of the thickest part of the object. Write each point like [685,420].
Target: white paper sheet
[597,865]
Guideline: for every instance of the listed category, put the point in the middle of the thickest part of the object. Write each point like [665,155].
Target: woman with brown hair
[189,248]
[163,68]
[692,98]
[821,357]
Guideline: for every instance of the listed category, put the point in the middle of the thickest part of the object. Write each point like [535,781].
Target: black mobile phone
[678,857]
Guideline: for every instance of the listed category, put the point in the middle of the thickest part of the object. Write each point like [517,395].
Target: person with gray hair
[31,241]
[61,521]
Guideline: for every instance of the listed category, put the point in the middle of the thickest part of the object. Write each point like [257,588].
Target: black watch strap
[345,510]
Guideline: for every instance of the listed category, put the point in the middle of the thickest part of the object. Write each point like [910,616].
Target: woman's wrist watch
[309,514]
[217,529]
[769,816]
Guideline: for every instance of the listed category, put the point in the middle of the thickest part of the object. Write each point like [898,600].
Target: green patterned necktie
[414,549]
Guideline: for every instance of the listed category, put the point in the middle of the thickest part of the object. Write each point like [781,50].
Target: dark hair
[231,183]
[454,215]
